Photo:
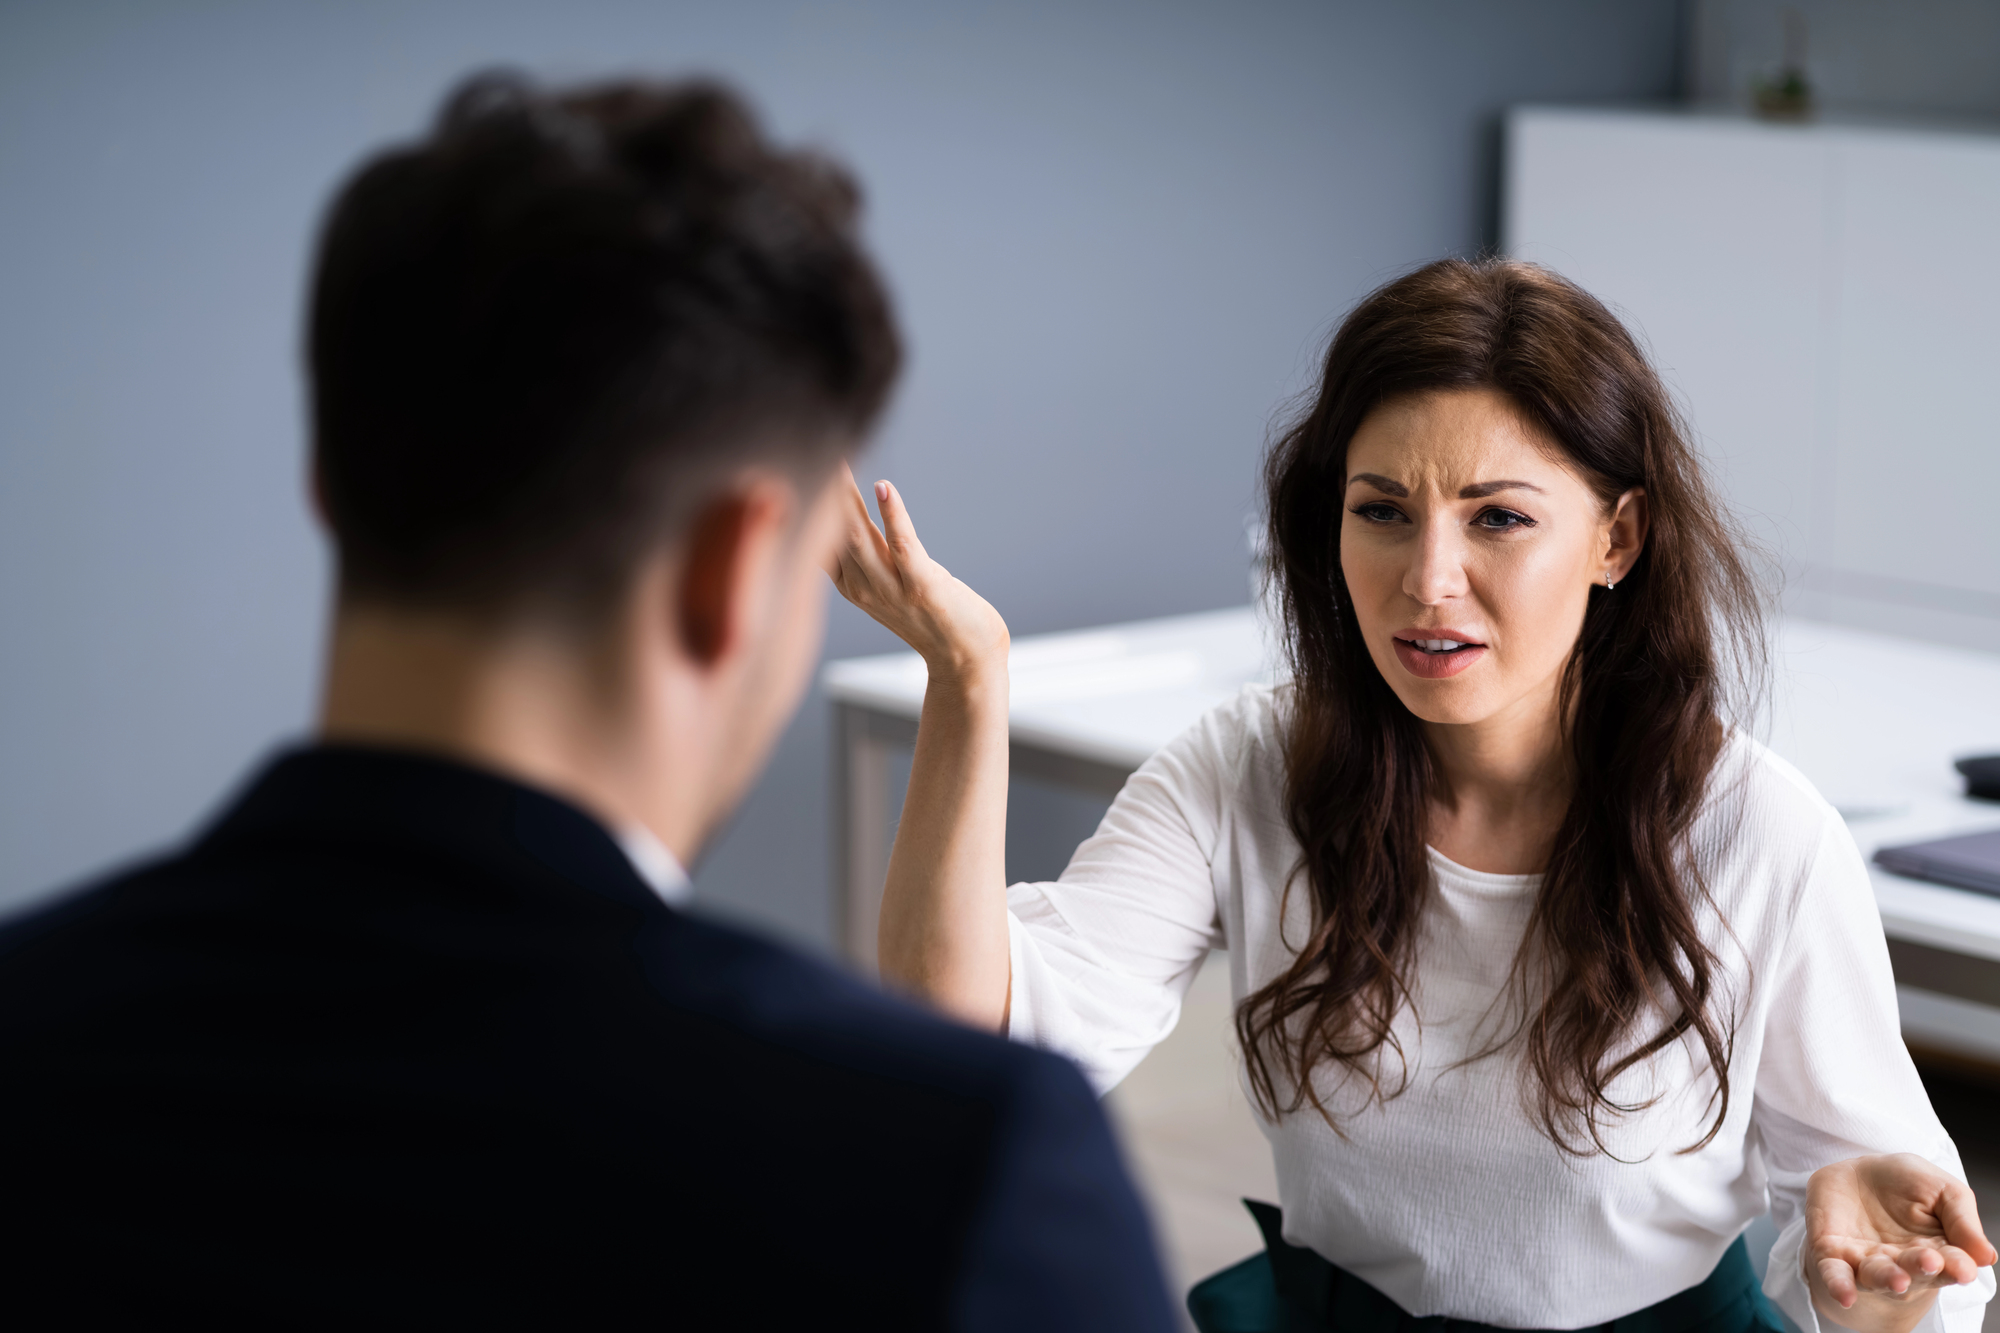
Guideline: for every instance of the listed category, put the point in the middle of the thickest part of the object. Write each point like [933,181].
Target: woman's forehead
[1453,440]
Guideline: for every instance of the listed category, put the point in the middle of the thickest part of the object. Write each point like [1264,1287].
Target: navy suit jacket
[400,1041]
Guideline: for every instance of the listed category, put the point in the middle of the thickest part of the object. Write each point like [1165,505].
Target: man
[416,1032]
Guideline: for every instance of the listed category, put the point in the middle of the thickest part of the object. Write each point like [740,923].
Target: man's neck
[553,710]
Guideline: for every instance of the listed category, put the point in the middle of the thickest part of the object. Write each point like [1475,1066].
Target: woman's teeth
[1440,645]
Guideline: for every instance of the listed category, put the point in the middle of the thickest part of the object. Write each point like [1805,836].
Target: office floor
[1197,1151]
[1194,1144]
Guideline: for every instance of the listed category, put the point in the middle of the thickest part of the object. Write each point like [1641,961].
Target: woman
[1546,973]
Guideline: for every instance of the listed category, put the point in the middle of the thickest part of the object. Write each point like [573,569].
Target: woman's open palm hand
[1883,1235]
[887,573]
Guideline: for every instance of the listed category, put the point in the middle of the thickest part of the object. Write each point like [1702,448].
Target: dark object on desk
[1982,776]
[1971,861]
[399,1041]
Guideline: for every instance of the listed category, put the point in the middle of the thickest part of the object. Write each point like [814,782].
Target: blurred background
[1119,234]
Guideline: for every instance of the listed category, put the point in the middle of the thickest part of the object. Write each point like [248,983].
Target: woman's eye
[1502,520]
[1377,512]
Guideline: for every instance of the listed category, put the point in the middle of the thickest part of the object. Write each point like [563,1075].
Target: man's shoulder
[390,1015]
[777,996]
[693,976]
[90,909]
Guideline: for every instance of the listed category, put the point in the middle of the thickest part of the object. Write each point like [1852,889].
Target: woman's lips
[1436,666]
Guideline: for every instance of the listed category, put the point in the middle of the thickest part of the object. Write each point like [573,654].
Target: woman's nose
[1437,571]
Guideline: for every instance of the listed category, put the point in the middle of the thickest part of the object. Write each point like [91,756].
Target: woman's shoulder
[1258,712]
[1252,721]
[1237,742]
[1765,823]
[1783,871]
[1752,781]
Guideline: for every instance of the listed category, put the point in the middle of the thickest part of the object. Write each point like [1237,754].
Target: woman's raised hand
[887,573]
[1883,1236]
[943,933]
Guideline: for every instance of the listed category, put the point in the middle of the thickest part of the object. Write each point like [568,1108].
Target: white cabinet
[1825,299]
[1916,439]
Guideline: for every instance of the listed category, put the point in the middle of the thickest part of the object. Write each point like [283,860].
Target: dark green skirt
[1290,1290]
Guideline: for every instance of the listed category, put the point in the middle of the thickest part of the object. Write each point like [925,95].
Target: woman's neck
[1503,787]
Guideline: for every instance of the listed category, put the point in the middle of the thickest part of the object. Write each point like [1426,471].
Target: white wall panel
[1916,466]
[1826,301]
[1710,238]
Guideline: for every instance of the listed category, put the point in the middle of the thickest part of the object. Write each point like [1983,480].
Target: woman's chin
[1456,700]
[1447,707]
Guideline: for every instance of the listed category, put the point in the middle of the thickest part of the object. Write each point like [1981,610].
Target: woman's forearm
[943,933]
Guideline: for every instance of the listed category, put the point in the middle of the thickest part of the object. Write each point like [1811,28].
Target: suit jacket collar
[348,794]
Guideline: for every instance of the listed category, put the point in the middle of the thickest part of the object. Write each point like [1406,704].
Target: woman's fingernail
[881,490]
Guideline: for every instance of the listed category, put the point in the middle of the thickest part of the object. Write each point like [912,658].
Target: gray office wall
[1118,233]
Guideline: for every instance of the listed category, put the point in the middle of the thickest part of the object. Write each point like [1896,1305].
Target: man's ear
[316,492]
[709,577]
[730,548]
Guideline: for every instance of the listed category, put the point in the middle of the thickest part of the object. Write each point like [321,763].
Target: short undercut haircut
[541,333]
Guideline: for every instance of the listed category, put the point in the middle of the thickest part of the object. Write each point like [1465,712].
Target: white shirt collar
[652,862]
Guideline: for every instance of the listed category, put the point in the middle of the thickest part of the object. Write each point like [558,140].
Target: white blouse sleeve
[1835,1080]
[1102,957]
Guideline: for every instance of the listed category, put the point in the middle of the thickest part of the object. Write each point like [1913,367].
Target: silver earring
[1608,584]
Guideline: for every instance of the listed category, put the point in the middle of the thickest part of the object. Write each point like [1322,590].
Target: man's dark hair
[540,332]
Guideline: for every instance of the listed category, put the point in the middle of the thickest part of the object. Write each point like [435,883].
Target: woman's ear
[1625,534]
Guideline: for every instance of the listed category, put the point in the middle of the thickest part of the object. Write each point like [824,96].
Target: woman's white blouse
[1449,1198]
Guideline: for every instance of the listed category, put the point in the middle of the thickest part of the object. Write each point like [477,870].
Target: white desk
[1873,721]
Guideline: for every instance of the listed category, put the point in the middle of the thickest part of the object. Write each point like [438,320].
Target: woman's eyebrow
[1480,490]
[1476,491]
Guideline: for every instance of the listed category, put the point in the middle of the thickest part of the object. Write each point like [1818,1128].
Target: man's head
[584,366]
[541,334]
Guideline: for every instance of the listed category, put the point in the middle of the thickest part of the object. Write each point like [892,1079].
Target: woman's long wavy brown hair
[1614,968]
